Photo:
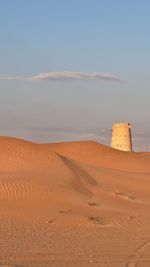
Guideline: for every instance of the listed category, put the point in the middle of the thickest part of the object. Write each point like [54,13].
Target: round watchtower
[121,136]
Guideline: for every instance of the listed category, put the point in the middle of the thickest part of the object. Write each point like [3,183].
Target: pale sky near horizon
[84,36]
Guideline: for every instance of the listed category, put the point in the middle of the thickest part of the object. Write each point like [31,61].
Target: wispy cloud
[14,78]
[64,76]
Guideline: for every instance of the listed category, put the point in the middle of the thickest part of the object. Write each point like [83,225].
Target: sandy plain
[73,204]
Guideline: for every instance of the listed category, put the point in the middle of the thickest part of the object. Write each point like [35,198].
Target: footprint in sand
[93,204]
[64,211]
[52,221]
[124,196]
[102,222]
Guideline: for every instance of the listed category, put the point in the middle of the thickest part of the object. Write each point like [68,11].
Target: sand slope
[73,204]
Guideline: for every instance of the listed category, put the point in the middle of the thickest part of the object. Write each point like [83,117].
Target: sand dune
[73,204]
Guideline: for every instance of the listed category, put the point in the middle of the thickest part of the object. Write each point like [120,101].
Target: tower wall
[121,137]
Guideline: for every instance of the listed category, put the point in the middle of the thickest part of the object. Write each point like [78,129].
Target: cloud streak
[14,78]
[64,76]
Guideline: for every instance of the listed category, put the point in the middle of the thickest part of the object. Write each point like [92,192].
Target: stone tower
[121,136]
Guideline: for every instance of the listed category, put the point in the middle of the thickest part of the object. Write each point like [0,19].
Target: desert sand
[73,204]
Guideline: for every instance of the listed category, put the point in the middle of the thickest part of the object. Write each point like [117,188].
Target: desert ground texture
[73,204]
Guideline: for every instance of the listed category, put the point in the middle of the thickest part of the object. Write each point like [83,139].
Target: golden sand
[73,204]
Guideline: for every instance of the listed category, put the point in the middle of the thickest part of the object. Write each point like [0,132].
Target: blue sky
[103,36]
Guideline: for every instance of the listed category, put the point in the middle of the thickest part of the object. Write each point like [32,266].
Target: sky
[70,69]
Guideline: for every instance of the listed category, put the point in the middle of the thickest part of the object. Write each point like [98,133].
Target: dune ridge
[72,202]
